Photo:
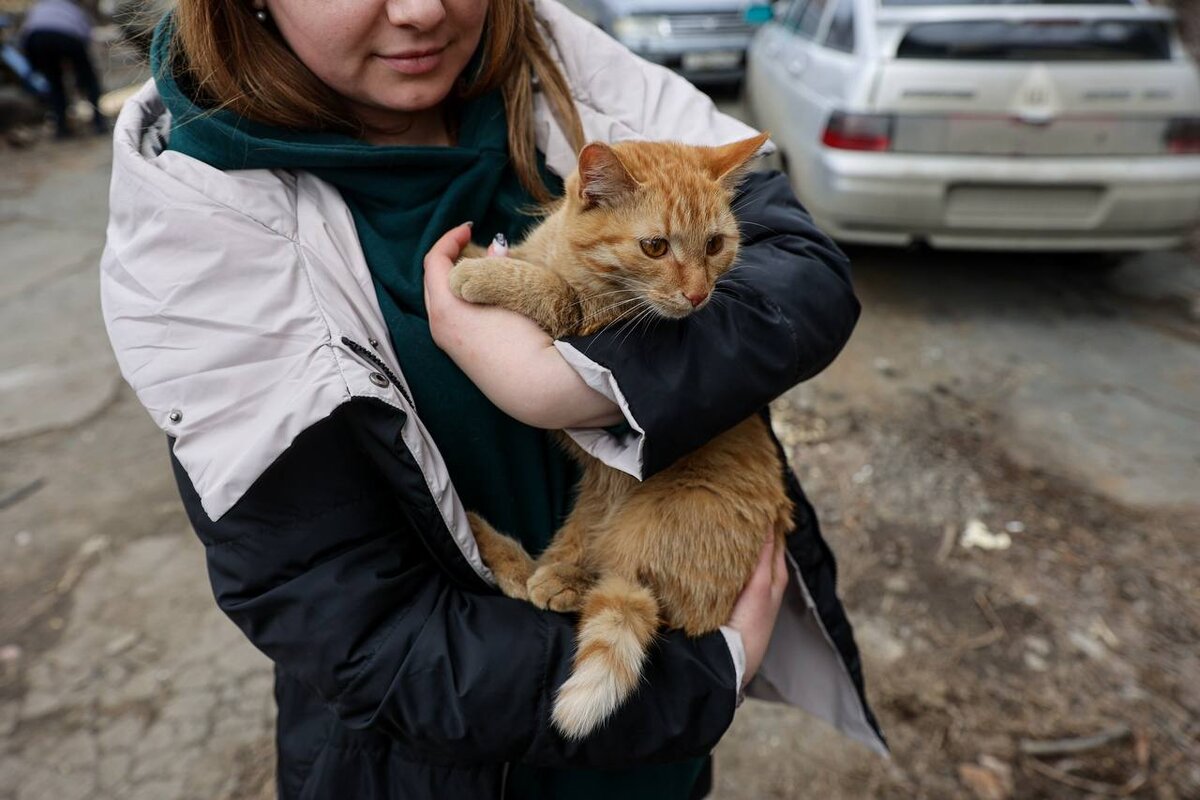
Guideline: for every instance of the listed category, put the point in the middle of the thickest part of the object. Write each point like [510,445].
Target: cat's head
[653,219]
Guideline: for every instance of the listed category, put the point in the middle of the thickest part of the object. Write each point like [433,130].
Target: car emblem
[1036,102]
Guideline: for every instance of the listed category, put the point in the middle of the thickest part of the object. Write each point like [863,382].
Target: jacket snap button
[175,417]
[379,379]
[371,340]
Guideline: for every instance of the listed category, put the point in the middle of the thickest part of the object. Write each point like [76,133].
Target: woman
[275,286]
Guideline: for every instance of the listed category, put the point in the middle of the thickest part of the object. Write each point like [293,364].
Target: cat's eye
[656,247]
[714,244]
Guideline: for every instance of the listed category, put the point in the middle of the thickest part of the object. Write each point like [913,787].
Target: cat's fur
[677,548]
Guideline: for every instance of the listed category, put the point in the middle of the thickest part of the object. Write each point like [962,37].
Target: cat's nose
[697,297]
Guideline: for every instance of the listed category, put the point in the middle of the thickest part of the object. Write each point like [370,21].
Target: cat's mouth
[681,305]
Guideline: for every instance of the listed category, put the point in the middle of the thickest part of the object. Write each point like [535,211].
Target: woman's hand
[758,605]
[510,359]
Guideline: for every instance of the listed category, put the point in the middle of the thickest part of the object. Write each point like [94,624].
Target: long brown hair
[236,62]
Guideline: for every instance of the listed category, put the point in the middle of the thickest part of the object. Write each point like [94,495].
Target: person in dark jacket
[57,34]
[287,199]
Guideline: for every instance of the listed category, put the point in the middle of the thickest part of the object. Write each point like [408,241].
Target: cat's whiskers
[736,207]
[719,296]
[743,266]
[591,297]
[646,314]
[619,318]
[766,228]
[629,282]
[608,308]
[622,317]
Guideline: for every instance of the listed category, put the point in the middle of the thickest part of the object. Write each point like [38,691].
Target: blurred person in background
[289,195]
[58,33]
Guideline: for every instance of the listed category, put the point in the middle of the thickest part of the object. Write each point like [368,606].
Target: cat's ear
[728,164]
[603,179]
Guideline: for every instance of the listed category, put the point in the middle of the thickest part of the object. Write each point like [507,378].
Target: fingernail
[499,246]
[469,223]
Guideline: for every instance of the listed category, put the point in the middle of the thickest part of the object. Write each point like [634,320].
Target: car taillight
[1183,135]
[858,131]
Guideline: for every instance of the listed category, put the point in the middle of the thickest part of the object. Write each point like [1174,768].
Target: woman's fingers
[779,575]
[757,591]
[756,607]
[440,260]
[447,249]
[761,576]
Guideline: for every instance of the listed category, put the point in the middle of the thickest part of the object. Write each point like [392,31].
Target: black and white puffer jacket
[242,312]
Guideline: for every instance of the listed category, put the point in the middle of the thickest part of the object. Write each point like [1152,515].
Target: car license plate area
[1033,207]
[711,60]
[1061,137]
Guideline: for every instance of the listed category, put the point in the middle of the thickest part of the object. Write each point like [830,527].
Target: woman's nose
[420,14]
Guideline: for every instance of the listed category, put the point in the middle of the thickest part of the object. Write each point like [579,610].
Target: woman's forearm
[528,379]
[506,355]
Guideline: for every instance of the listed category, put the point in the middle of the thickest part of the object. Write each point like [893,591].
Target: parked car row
[1038,125]
[1006,124]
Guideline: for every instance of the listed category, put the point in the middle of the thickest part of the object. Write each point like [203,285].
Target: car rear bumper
[1111,203]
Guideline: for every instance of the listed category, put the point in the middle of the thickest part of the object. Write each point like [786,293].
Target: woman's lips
[415,62]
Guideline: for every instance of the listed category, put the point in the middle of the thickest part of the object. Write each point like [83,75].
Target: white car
[1014,125]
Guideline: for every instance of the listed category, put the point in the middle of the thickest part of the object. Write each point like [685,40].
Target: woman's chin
[415,95]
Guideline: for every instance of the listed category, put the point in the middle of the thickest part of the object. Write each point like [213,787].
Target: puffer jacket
[243,314]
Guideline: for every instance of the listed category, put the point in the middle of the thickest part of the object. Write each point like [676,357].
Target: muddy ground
[1087,622]
[1053,400]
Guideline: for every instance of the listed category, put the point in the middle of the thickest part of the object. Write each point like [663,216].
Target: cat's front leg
[519,286]
[562,575]
[505,557]
[559,586]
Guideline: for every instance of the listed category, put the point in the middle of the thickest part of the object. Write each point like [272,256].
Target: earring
[261,15]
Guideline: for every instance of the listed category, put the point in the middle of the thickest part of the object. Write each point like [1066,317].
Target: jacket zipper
[380,365]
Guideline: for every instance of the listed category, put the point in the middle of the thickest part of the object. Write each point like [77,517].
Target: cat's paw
[558,587]
[510,564]
[474,280]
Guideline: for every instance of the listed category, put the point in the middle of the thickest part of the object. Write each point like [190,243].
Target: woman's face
[389,58]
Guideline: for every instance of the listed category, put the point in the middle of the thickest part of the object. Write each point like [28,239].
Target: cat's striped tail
[617,624]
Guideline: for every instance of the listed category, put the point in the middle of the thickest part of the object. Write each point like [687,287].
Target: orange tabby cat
[644,227]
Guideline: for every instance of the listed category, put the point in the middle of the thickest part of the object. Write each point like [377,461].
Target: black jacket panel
[320,566]
[780,316]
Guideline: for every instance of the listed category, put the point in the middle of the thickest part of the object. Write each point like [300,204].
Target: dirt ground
[1087,622]
[1043,407]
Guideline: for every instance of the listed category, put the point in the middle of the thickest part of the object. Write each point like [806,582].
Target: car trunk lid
[1032,80]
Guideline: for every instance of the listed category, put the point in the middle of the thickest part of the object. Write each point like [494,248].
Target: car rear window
[1039,40]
